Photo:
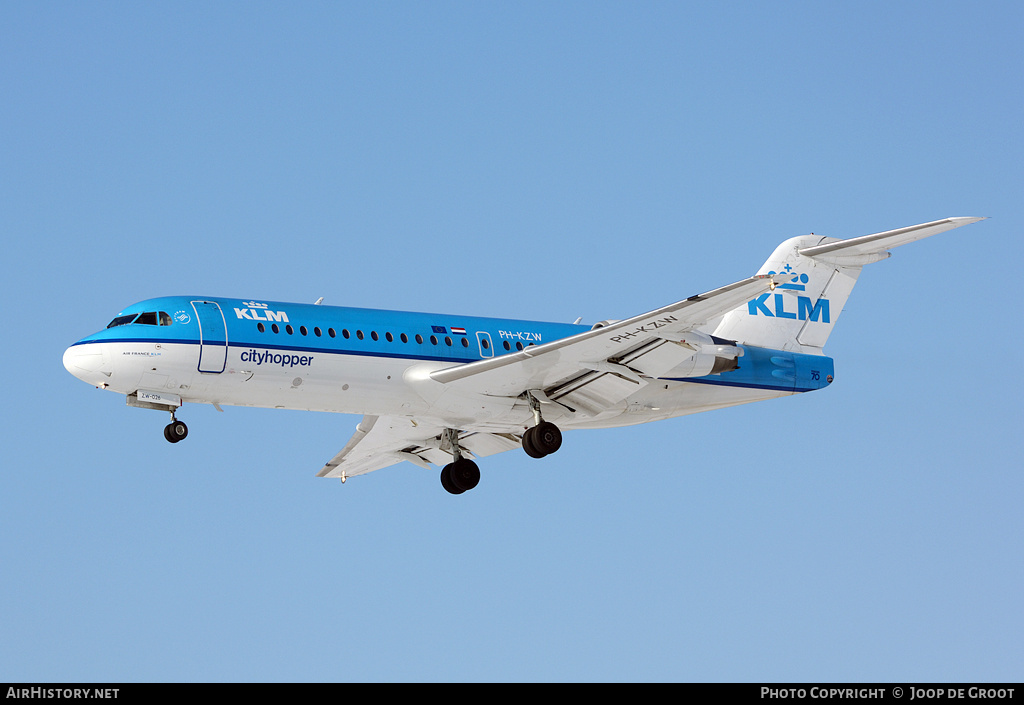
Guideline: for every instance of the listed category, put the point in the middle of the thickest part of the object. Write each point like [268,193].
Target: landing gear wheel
[175,431]
[460,476]
[543,439]
[529,446]
[546,437]
[446,480]
[465,474]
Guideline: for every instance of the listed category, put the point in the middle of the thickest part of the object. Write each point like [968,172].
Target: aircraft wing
[382,441]
[604,365]
[617,355]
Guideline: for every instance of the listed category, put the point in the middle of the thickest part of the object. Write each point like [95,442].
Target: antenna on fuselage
[318,301]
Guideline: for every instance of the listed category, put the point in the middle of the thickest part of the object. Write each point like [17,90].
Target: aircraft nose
[86,363]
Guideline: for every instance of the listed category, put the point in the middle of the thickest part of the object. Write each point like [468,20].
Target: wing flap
[594,393]
[483,444]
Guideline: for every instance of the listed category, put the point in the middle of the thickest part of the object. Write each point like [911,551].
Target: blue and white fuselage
[441,388]
[364,361]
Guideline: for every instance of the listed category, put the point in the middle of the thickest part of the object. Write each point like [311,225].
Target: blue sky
[533,160]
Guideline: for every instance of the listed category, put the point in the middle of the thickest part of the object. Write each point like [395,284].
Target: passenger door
[213,337]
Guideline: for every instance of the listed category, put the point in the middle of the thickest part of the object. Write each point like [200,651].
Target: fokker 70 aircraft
[444,389]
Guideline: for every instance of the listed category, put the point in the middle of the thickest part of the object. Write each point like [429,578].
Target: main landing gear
[176,430]
[462,474]
[543,438]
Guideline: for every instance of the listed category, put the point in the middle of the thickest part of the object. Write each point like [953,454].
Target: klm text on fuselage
[251,314]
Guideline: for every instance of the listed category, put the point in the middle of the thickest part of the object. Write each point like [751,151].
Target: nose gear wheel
[175,431]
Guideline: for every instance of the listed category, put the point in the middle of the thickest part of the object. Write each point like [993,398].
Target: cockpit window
[149,318]
[122,320]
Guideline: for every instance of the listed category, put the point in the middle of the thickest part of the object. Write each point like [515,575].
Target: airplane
[447,389]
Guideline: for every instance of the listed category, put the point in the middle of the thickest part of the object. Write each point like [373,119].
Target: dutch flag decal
[458,331]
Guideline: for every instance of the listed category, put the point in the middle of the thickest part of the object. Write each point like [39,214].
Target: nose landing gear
[175,431]
[160,401]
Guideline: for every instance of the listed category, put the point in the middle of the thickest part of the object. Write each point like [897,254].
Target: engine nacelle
[702,364]
[688,354]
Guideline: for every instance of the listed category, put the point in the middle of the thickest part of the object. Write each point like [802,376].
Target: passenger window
[405,338]
[373,334]
[390,338]
[316,332]
[419,338]
[465,343]
[288,329]
[344,333]
[484,343]
[330,332]
[447,341]
[433,340]
[274,327]
[359,334]
[519,346]
[260,327]
[506,345]
[302,329]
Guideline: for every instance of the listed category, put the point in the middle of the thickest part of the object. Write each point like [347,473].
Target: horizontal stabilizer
[872,248]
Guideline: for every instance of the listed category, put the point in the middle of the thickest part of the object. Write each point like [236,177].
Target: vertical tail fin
[800,315]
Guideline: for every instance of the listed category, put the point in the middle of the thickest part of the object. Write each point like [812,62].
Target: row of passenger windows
[463,341]
[161,318]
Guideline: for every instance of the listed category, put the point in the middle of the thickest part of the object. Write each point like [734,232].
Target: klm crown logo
[806,309]
[793,285]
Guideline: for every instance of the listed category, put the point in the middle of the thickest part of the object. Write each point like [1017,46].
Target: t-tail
[800,314]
